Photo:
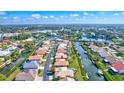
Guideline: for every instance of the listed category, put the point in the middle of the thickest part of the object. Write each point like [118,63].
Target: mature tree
[29,45]
[15,55]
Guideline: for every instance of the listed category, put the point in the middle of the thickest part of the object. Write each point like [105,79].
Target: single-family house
[28,75]
[35,58]
[117,68]
[40,52]
[61,63]
[63,74]
[31,65]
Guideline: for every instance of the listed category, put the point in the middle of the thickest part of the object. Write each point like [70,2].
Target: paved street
[46,68]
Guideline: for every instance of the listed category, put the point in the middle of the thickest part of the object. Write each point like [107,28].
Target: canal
[89,67]
[10,66]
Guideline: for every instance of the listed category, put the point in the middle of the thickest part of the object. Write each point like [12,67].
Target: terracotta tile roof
[40,52]
[112,59]
[118,66]
[61,63]
[61,55]
[35,57]
[61,50]
[60,60]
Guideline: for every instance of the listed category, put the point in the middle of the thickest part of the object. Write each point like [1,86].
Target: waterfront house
[117,68]
[61,50]
[61,56]
[35,58]
[31,65]
[61,63]
[40,52]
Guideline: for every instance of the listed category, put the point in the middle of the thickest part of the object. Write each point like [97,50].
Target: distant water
[96,40]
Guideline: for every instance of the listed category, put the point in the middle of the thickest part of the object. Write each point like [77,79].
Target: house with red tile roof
[35,58]
[61,50]
[40,52]
[61,56]
[60,63]
[118,68]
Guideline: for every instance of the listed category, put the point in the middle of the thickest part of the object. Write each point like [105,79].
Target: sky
[61,17]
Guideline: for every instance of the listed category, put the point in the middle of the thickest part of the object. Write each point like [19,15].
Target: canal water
[89,67]
[10,66]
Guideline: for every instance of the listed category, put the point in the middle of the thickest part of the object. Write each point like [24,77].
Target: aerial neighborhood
[61,48]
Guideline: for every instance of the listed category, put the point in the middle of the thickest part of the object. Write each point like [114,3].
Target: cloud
[84,17]
[77,19]
[122,13]
[116,14]
[61,16]
[44,17]
[91,14]
[85,13]
[5,17]
[15,17]
[2,13]
[74,15]
[36,16]
[102,13]
[57,19]
[51,16]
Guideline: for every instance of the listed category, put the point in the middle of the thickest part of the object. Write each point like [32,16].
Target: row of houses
[116,65]
[32,64]
[7,52]
[61,63]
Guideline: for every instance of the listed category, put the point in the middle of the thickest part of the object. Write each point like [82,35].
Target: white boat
[99,72]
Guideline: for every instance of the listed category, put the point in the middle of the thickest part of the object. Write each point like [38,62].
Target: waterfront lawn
[13,75]
[110,77]
[74,60]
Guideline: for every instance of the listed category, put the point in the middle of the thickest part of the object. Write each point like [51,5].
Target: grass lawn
[13,75]
[110,77]
[74,60]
